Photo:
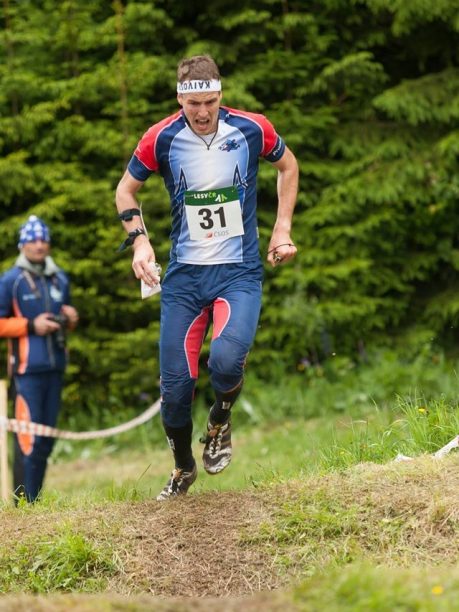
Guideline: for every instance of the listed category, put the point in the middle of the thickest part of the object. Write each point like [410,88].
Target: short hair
[198,67]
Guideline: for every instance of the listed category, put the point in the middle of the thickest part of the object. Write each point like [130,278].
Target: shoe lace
[176,480]
[215,434]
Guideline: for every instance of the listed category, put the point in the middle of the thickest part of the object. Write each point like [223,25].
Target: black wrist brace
[131,238]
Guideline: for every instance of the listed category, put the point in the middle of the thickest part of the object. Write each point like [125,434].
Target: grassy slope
[313,508]
[371,537]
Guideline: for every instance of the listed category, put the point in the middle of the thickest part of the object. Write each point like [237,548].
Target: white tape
[438,455]
[401,457]
[29,427]
[445,449]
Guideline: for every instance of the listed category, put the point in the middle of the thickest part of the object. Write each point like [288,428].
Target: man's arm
[281,247]
[12,326]
[17,327]
[143,251]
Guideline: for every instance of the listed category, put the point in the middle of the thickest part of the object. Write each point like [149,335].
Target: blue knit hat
[33,229]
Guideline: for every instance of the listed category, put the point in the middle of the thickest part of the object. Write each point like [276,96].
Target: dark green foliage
[366,93]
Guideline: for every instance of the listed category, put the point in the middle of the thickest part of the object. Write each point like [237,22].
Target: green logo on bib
[214,196]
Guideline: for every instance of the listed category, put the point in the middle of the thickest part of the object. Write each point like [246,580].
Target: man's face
[36,251]
[201,110]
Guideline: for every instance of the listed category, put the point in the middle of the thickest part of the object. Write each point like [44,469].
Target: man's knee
[226,358]
[226,368]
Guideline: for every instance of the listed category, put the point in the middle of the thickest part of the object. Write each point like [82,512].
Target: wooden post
[4,481]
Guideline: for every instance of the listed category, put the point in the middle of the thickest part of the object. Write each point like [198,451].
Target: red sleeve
[146,149]
[13,327]
[270,136]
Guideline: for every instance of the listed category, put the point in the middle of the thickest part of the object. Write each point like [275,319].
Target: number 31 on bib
[214,214]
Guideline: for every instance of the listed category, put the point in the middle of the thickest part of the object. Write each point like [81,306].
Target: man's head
[34,239]
[199,92]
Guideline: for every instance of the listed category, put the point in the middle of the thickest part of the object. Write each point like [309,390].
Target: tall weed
[351,387]
[422,427]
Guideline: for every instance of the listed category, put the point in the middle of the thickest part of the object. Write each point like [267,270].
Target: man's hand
[71,314]
[281,249]
[43,324]
[144,255]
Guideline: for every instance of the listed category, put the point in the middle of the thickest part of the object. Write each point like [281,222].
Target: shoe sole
[219,467]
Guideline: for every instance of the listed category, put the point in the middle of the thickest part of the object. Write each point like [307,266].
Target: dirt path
[194,546]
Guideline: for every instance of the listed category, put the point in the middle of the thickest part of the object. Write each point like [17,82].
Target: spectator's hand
[143,255]
[71,315]
[43,324]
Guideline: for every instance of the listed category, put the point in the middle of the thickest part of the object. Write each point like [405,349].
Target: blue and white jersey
[188,164]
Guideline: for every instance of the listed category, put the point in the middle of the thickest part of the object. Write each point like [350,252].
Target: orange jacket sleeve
[13,327]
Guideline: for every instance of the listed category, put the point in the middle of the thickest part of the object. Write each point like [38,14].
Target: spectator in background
[35,313]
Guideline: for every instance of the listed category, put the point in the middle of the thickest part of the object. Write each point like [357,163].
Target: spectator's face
[36,251]
[201,110]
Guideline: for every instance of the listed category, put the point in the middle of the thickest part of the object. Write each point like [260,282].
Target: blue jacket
[25,292]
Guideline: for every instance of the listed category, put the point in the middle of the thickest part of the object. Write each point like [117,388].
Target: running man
[208,156]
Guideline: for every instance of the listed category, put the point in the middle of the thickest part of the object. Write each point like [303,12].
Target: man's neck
[37,266]
[44,267]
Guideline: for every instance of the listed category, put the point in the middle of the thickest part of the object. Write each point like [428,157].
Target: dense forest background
[366,94]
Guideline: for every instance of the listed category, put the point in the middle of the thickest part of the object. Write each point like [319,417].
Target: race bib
[214,214]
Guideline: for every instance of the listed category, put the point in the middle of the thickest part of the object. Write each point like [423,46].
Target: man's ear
[179,99]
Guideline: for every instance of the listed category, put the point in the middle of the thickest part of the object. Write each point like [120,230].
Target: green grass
[263,453]
[341,386]
[66,561]
[362,587]
[325,418]
[420,427]
[399,513]
[351,387]
[340,521]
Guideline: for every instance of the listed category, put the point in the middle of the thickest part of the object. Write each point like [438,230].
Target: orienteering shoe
[178,484]
[217,447]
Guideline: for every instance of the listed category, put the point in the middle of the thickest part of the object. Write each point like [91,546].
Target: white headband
[199,86]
